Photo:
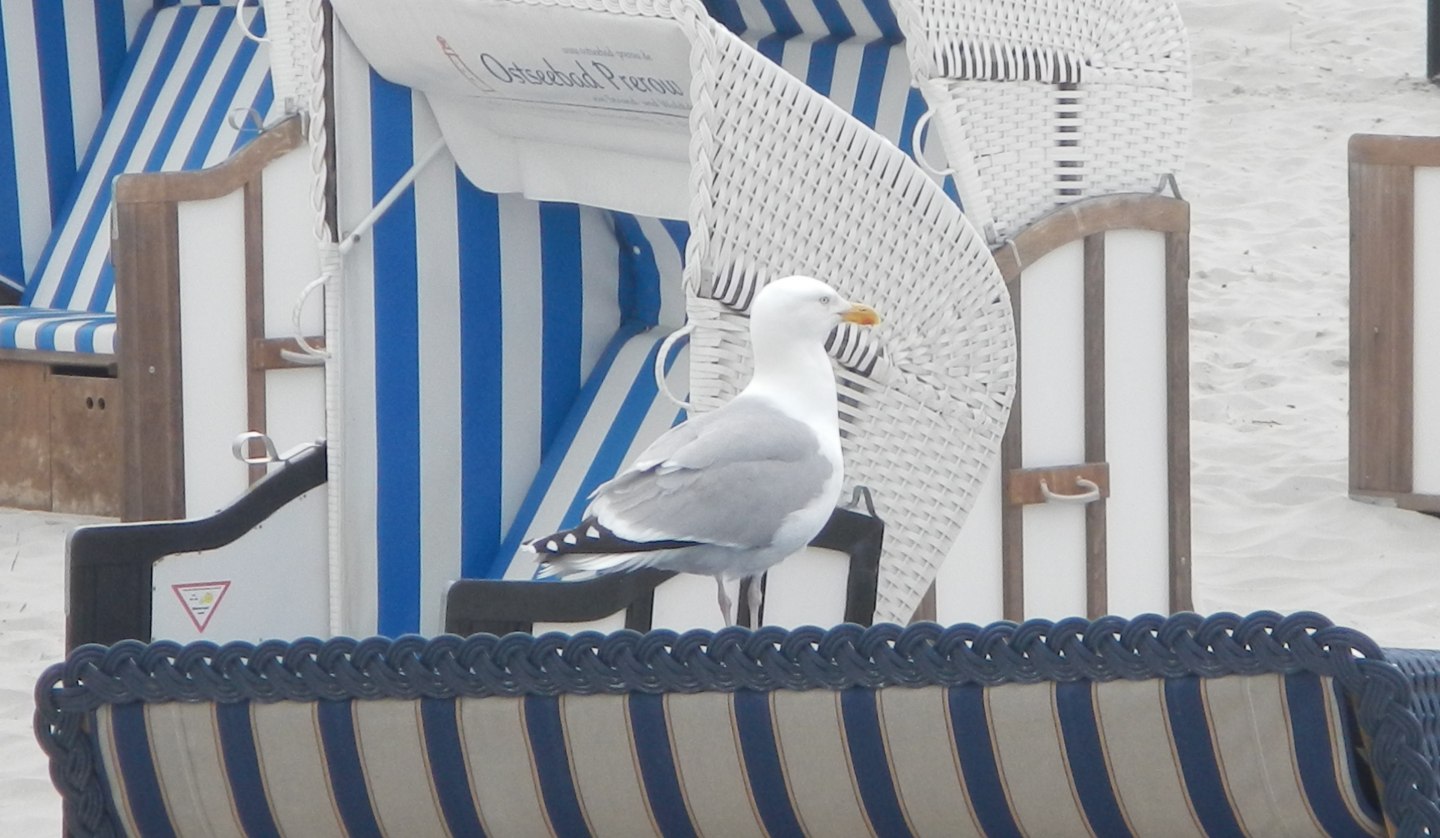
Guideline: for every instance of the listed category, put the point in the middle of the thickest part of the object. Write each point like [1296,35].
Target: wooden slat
[1177,350]
[88,360]
[25,436]
[85,433]
[254,231]
[1022,485]
[1403,500]
[218,180]
[1395,150]
[1382,276]
[1076,221]
[1097,578]
[147,287]
[1012,518]
[265,353]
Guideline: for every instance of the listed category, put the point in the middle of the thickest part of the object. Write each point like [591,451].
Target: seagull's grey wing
[745,469]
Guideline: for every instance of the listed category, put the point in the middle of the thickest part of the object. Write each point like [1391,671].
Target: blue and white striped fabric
[59,60]
[1239,755]
[504,346]
[189,70]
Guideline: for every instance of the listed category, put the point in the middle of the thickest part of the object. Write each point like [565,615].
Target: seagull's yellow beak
[862,314]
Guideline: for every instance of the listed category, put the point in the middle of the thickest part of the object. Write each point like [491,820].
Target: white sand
[1280,86]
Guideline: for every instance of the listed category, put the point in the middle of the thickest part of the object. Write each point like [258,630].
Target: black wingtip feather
[591,538]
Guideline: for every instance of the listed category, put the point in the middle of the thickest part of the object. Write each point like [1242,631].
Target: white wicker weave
[1038,103]
[786,182]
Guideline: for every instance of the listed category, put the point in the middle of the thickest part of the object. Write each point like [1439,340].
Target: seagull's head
[805,309]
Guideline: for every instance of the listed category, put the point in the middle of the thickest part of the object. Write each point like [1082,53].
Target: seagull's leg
[753,595]
[727,610]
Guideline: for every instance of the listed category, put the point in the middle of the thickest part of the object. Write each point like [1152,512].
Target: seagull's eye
[825,300]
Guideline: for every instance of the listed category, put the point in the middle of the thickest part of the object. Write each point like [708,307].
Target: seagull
[731,492]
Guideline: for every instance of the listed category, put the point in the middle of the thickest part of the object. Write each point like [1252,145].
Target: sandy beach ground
[1280,85]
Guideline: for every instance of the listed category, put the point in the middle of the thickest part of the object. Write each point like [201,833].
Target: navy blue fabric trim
[562,301]
[242,766]
[482,392]
[347,773]
[1190,730]
[448,770]
[870,762]
[1075,705]
[762,763]
[546,734]
[397,375]
[57,111]
[1310,731]
[657,765]
[977,762]
[142,784]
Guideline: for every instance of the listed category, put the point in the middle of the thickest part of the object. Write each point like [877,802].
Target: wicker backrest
[785,182]
[1038,103]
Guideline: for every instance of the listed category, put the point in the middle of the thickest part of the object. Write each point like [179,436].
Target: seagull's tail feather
[592,548]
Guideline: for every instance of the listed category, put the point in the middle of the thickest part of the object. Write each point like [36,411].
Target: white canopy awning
[557,104]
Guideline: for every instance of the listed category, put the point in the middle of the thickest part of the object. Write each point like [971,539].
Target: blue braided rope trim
[410,667]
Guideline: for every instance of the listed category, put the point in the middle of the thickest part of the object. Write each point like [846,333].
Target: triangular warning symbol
[200,600]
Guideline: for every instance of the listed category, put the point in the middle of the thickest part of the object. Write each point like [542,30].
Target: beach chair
[1038,104]
[1394,339]
[767,206]
[1154,726]
[170,105]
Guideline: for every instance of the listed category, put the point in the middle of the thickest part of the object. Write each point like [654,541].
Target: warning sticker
[200,600]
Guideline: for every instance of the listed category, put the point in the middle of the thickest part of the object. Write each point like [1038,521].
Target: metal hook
[245,27]
[1168,181]
[1091,493]
[239,116]
[660,357]
[241,449]
[862,494]
[917,146]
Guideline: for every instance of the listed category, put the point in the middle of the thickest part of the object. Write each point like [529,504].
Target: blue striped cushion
[1258,755]
[58,62]
[189,69]
[57,330]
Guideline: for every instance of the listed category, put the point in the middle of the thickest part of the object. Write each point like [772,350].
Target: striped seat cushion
[1257,755]
[189,71]
[57,330]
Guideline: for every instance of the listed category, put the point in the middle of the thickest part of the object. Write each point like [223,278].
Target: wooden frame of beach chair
[1153,726]
[1394,336]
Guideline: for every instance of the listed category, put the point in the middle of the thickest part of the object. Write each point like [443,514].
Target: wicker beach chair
[1037,104]
[782,181]
[1265,725]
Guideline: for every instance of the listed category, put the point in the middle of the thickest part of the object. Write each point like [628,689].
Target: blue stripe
[95,214]
[185,96]
[225,94]
[914,109]
[977,761]
[347,773]
[1310,729]
[610,456]
[772,47]
[397,366]
[563,302]
[546,735]
[728,13]
[85,335]
[482,394]
[1190,731]
[137,770]
[242,767]
[835,19]
[1075,703]
[820,73]
[884,17]
[762,763]
[679,233]
[12,243]
[550,463]
[871,765]
[111,44]
[33,289]
[657,765]
[56,108]
[639,292]
[448,771]
[874,61]
[781,18]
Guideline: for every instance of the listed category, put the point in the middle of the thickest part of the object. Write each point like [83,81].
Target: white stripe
[205,93]
[809,19]
[357,366]
[521,314]
[31,163]
[669,262]
[224,143]
[894,96]
[83,56]
[438,263]
[600,316]
[846,79]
